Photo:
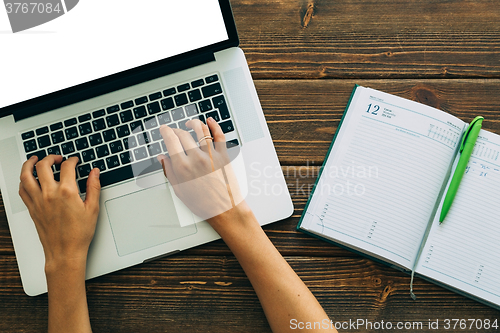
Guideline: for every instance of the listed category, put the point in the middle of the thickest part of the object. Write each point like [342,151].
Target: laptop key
[122,131]
[57,137]
[143,138]
[182,125]
[102,151]
[181,99]
[112,162]
[130,142]
[98,113]
[56,126]
[164,118]
[197,83]
[183,87]
[113,109]
[211,90]
[202,118]
[76,155]
[54,150]
[57,176]
[88,155]
[98,124]
[109,135]
[140,153]
[82,143]
[28,135]
[178,114]
[169,92]
[127,105]
[70,122]
[194,95]
[136,126]
[227,126]
[214,115]
[84,117]
[141,100]
[125,157]
[112,120]
[68,148]
[205,105]
[140,112]
[41,155]
[116,146]
[154,149]
[30,145]
[155,96]
[84,170]
[150,123]
[71,133]
[99,164]
[95,139]
[154,108]
[43,141]
[212,78]
[126,116]
[85,129]
[156,135]
[167,103]
[191,110]
[42,130]
[232,143]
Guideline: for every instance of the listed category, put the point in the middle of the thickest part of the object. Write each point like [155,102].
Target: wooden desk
[305,57]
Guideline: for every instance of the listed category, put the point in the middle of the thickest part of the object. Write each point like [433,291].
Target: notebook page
[382,179]
[464,251]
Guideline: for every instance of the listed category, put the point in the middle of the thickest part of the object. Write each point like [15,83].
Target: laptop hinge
[161,256]
[103,86]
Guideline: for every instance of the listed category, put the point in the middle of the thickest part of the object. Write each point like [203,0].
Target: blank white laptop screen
[99,38]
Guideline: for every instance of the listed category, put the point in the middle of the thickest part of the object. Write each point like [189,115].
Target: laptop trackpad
[144,219]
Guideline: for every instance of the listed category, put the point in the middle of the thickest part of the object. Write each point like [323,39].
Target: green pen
[466,147]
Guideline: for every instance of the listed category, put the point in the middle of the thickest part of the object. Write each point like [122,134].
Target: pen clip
[466,134]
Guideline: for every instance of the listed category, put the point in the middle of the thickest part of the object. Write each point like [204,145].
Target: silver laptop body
[141,218]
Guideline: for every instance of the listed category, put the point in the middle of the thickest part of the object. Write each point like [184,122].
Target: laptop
[97,83]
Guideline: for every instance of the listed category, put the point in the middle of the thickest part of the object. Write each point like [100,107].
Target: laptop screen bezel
[133,76]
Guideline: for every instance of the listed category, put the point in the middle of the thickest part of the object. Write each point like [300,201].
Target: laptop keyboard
[126,136]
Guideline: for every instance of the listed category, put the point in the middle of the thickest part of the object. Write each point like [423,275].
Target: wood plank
[370,39]
[303,115]
[212,294]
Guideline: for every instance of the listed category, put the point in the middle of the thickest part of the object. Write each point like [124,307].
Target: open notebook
[381,188]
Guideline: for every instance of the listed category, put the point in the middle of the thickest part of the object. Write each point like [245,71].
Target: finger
[25,196]
[168,170]
[217,133]
[28,180]
[186,140]
[68,170]
[174,146]
[93,191]
[201,130]
[44,170]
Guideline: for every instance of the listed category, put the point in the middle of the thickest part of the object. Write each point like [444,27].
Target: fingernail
[97,173]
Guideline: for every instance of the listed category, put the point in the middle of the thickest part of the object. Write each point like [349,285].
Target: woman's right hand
[201,175]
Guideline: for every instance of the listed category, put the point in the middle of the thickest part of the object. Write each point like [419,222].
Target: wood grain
[306,56]
[307,39]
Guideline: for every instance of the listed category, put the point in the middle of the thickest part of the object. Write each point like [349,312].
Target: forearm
[281,292]
[68,311]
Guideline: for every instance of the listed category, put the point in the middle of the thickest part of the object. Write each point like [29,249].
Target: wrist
[65,267]
[236,219]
